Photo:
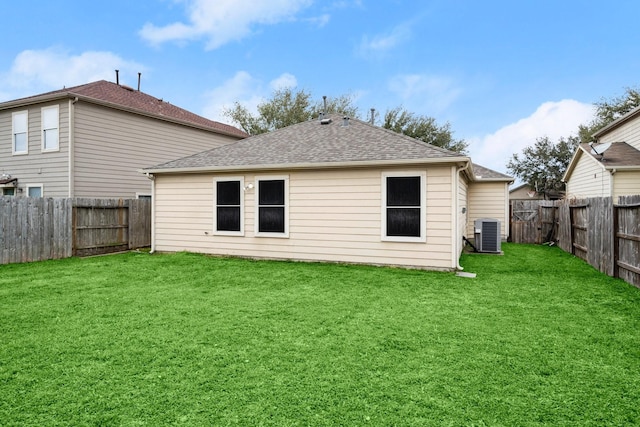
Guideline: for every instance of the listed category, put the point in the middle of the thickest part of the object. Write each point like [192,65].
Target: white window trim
[423,207]
[42,134]
[13,133]
[258,233]
[29,186]
[215,206]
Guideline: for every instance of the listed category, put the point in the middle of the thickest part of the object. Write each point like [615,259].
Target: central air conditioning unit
[487,235]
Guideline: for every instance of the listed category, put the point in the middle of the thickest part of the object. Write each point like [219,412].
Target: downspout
[72,137]
[153,211]
[458,233]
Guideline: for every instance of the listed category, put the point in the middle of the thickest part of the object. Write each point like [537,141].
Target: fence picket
[34,229]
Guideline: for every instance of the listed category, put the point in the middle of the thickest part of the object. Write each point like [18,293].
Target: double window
[19,132]
[271,206]
[404,207]
[229,206]
[50,124]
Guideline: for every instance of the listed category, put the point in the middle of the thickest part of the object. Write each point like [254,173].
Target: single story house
[610,167]
[333,189]
[91,140]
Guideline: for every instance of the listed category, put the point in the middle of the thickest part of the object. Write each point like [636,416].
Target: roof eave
[302,166]
[23,102]
[574,161]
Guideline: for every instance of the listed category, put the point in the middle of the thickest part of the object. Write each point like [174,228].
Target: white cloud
[34,71]
[286,80]
[423,92]
[246,90]
[379,45]
[223,21]
[551,119]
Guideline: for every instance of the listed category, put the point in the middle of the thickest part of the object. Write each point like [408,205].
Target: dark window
[228,205]
[271,206]
[403,206]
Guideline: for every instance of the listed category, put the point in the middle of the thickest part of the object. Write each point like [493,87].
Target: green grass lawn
[538,337]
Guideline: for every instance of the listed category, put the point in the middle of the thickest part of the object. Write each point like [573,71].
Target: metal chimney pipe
[324,99]
[373,116]
[118,77]
[139,75]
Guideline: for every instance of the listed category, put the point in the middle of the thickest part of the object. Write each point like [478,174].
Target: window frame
[257,232]
[44,129]
[14,133]
[423,206]
[30,186]
[217,232]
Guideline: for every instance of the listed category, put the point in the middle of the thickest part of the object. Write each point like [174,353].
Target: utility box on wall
[487,235]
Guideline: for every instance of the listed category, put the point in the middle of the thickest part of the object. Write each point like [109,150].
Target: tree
[608,110]
[542,165]
[286,108]
[423,128]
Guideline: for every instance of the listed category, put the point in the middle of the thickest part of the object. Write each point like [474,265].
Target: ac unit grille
[487,235]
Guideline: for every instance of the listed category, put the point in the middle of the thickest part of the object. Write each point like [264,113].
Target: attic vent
[325,121]
[345,121]
[487,235]
[129,88]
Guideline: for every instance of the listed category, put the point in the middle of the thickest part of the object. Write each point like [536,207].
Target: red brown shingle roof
[125,97]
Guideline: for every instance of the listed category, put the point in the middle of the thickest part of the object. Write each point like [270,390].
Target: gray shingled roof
[618,155]
[485,173]
[312,143]
[132,100]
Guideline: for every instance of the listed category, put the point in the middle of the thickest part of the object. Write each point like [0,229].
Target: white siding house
[331,190]
[610,167]
[91,141]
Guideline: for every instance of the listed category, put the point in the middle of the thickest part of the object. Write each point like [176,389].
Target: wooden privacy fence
[601,232]
[35,229]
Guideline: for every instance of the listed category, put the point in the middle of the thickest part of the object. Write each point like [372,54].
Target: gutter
[153,212]
[457,211]
[294,166]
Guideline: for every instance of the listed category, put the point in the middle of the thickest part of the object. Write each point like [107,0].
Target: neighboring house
[524,192]
[326,190]
[611,167]
[91,140]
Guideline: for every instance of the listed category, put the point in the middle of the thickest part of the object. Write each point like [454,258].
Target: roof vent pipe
[324,100]
[373,116]
[118,77]
[139,75]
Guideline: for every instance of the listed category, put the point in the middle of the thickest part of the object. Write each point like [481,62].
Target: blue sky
[502,73]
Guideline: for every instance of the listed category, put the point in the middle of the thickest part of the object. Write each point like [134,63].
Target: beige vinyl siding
[628,132]
[588,179]
[488,200]
[49,169]
[334,215]
[626,183]
[111,146]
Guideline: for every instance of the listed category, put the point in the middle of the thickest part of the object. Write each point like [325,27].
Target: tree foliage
[423,128]
[287,107]
[608,110]
[542,165]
